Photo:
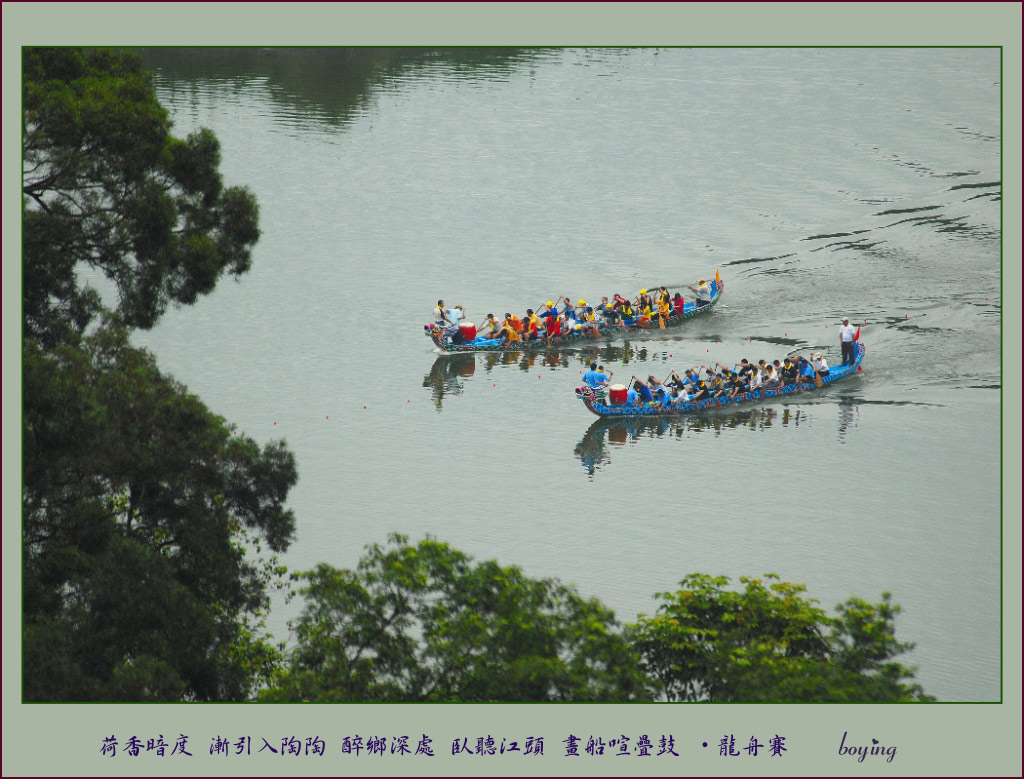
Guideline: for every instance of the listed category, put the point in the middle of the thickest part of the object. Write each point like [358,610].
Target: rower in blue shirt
[644,392]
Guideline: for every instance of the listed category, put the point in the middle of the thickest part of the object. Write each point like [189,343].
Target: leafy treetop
[770,643]
[424,622]
[107,188]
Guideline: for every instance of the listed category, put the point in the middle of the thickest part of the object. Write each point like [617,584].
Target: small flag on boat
[856,336]
[718,279]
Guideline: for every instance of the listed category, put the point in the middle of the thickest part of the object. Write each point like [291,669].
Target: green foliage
[769,643]
[108,188]
[144,517]
[425,623]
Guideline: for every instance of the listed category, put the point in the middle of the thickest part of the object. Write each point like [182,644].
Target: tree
[144,517]
[143,514]
[769,643]
[107,187]
[425,623]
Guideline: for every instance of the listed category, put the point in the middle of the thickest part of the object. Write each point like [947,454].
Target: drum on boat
[468,331]
[617,394]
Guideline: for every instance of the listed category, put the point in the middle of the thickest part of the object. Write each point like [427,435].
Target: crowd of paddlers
[705,382]
[563,317]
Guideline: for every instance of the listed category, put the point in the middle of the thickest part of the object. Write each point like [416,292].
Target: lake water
[820,183]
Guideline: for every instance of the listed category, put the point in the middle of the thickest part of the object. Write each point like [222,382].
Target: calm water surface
[822,184]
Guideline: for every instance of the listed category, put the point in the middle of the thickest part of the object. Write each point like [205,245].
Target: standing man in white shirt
[846,335]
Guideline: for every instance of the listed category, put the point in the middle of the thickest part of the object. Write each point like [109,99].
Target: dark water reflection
[594,450]
[331,86]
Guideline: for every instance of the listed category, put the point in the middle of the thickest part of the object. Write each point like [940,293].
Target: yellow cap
[551,304]
[643,292]
[582,302]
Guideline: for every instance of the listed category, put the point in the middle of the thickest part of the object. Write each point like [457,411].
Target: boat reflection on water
[446,374]
[594,449]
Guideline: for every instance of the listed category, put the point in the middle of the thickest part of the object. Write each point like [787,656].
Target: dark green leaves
[769,643]
[425,623]
[144,514]
[143,519]
[107,187]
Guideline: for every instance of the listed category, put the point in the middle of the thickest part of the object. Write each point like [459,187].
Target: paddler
[508,333]
[644,303]
[643,391]
[678,304]
[490,328]
[820,365]
[664,308]
[531,326]
[789,372]
[550,317]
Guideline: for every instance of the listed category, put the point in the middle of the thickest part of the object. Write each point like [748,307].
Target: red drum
[468,330]
[617,394]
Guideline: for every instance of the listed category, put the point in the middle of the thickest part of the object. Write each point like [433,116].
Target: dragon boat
[596,401]
[582,335]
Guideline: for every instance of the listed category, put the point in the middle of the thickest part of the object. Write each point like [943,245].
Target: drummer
[455,315]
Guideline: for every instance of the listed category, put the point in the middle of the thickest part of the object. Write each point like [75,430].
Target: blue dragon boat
[584,335]
[598,404]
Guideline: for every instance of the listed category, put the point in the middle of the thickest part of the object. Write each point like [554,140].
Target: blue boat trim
[712,404]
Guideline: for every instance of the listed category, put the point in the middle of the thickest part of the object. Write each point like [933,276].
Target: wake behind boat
[616,404]
[574,324]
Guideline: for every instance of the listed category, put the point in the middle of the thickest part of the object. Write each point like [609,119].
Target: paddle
[817,378]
